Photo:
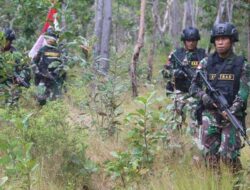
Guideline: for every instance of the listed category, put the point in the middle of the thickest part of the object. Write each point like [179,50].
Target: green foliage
[49,139]
[48,132]
[16,159]
[77,15]
[76,167]
[28,137]
[105,102]
[208,15]
[145,132]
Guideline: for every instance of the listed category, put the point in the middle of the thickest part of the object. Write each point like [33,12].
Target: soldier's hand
[166,73]
[18,80]
[170,86]
[224,115]
[237,106]
[208,102]
[179,74]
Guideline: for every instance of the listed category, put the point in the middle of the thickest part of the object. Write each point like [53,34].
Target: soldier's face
[190,45]
[222,44]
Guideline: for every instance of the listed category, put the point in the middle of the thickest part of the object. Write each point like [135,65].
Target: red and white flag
[51,20]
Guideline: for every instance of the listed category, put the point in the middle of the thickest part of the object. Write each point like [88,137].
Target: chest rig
[224,75]
[192,61]
[49,55]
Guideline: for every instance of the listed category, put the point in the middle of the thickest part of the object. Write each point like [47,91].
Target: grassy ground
[174,167]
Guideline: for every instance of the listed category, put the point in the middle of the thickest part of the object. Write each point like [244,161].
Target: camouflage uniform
[49,73]
[13,74]
[178,81]
[220,139]
[230,75]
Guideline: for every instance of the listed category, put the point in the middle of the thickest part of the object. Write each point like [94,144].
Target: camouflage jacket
[12,68]
[47,55]
[187,58]
[240,97]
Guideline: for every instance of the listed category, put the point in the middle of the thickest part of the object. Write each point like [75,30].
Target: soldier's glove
[179,74]
[166,72]
[170,86]
[237,105]
[207,101]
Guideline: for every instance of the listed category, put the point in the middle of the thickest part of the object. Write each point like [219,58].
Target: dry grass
[99,150]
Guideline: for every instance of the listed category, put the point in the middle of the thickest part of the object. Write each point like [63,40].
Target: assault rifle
[21,80]
[47,74]
[185,68]
[222,104]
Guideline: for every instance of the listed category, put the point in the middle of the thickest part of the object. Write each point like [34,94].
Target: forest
[114,126]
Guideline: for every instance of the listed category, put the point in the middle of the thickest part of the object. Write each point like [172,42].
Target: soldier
[189,56]
[229,74]
[49,72]
[9,37]
[13,74]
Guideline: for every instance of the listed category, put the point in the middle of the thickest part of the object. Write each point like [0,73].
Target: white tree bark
[138,46]
[105,39]
[175,22]
[64,8]
[196,13]
[153,41]
[162,26]
[189,14]
[248,37]
[225,11]
[98,26]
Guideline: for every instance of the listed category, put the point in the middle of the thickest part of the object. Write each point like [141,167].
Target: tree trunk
[153,42]
[98,27]
[137,49]
[106,32]
[161,26]
[64,7]
[189,14]
[248,37]
[196,13]
[225,11]
[175,26]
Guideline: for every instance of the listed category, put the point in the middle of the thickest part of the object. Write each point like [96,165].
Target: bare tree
[63,22]
[106,32]
[174,24]
[153,41]
[189,13]
[102,31]
[225,11]
[248,37]
[138,46]
[98,26]
[162,25]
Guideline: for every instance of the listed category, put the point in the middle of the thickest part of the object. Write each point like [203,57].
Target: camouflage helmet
[9,34]
[190,33]
[224,29]
[51,34]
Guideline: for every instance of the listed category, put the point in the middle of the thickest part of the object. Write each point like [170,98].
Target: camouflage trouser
[183,106]
[48,90]
[220,142]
